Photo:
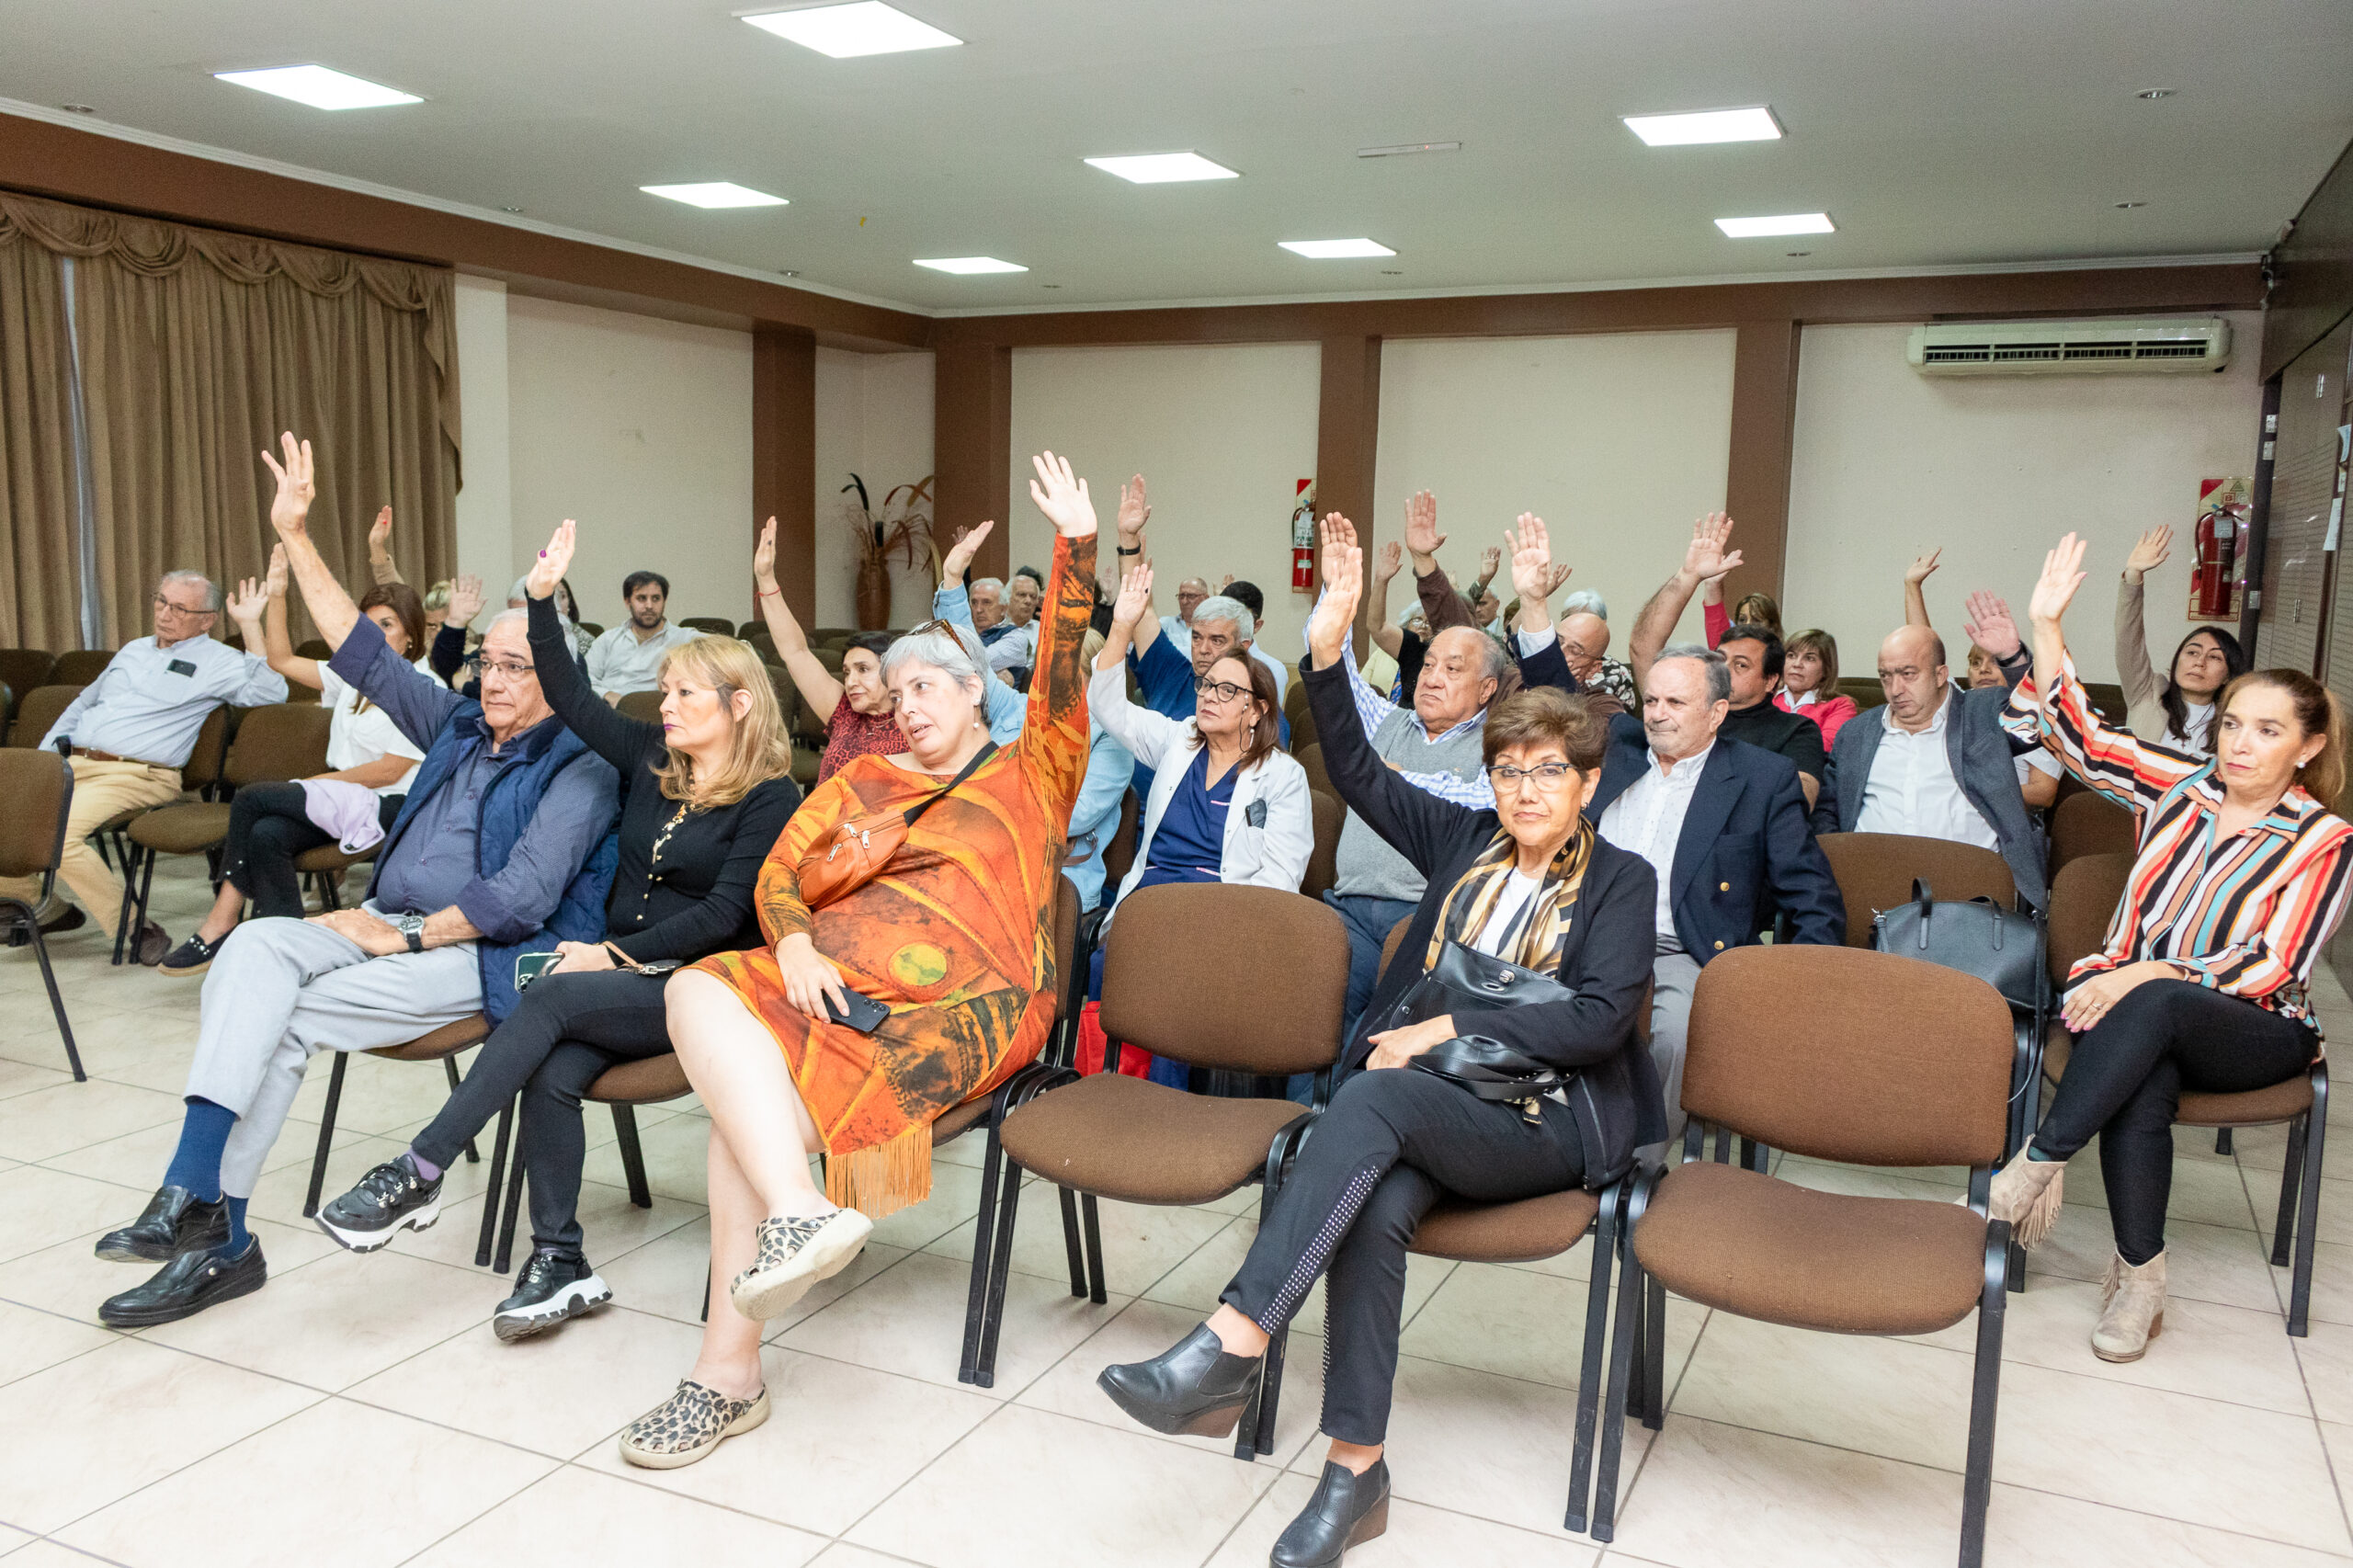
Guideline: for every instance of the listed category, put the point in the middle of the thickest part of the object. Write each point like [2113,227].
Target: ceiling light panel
[966,264]
[1163,168]
[846,31]
[1335,250]
[714,193]
[1708,125]
[319,87]
[1786,224]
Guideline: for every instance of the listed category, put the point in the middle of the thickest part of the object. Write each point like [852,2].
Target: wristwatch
[412,928]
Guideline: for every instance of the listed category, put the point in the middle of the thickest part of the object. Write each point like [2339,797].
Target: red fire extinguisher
[2216,548]
[1302,538]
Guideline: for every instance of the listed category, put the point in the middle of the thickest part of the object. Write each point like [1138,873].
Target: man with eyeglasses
[502,849]
[128,733]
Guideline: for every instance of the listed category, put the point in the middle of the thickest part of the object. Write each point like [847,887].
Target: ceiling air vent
[2069,347]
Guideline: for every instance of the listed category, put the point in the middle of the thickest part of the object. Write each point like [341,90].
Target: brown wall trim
[971,444]
[784,463]
[1756,474]
[1348,440]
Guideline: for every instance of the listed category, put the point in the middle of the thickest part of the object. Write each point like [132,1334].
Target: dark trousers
[2125,1081]
[1368,921]
[1392,1143]
[566,1031]
[268,829]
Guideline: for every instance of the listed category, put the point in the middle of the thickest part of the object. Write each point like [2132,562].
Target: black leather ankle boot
[1347,1510]
[1194,1388]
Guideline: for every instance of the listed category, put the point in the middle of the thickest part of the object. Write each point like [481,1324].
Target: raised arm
[819,688]
[627,744]
[290,512]
[380,549]
[1052,746]
[1135,511]
[277,646]
[2134,671]
[1441,606]
[1990,627]
[1704,558]
[1390,640]
[1915,600]
[1147,735]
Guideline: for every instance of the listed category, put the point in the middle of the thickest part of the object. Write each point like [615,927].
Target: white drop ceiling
[1936,134]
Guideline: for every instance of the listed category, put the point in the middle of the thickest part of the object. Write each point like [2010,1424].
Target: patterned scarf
[1544,929]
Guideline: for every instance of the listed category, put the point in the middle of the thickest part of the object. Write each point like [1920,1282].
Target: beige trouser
[101,789]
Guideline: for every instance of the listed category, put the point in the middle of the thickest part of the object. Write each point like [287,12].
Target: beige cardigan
[2144,686]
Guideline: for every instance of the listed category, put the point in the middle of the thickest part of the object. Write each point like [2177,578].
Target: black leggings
[566,1031]
[1392,1143]
[2125,1081]
[269,827]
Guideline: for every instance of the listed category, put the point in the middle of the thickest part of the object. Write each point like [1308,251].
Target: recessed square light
[715,193]
[1708,125]
[1335,250]
[1786,223]
[843,31]
[318,86]
[1163,168]
[968,264]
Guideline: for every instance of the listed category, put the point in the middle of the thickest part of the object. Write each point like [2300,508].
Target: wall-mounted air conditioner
[2069,347]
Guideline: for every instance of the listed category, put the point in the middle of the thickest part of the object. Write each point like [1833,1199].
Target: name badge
[181,667]
[1256,813]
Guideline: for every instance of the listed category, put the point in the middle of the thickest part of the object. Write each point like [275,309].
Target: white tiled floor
[358,1410]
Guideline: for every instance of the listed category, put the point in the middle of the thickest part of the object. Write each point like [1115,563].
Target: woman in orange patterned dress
[954,935]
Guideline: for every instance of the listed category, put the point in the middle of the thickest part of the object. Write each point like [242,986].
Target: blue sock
[236,1242]
[196,1163]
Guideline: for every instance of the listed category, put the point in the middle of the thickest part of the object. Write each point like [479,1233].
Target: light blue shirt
[150,700]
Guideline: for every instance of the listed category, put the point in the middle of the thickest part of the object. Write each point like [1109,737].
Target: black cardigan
[1606,960]
[698,900]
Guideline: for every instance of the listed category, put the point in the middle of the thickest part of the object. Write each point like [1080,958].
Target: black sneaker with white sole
[391,1198]
[553,1286]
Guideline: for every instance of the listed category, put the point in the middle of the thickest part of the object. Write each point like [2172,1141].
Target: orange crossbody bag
[855,851]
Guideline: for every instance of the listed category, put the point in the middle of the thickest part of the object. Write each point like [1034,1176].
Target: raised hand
[1134,511]
[1226,582]
[1327,628]
[379,536]
[1422,537]
[2149,553]
[1989,624]
[1561,571]
[1338,536]
[1062,497]
[1491,560]
[465,600]
[548,569]
[764,559]
[2062,574]
[1705,559]
[958,560]
[1393,559]
[245,607]
[275,584]
[1135,596]
[289,509]
[1531,558]
[1922,567]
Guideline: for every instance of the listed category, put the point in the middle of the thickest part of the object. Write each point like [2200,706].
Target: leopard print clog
[689,1426]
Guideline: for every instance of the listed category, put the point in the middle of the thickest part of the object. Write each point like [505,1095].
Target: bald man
[1935,762]
[1584,643]
[1178,628]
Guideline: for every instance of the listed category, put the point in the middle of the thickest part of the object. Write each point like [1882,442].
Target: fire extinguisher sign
[2224,508]
[1302,536]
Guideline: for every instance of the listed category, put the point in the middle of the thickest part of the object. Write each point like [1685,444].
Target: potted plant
[902,527]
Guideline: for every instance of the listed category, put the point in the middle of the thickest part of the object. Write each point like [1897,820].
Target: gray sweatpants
[280,990]
[1673,976]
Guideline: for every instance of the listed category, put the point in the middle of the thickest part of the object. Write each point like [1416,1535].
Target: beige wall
[1221,434]
[873,419]
[641,430]
[1888,462]
[1616,440]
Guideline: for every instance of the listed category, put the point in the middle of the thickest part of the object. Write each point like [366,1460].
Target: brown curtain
[39,602]
[197,349]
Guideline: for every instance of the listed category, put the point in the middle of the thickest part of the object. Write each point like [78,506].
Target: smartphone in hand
[864,1014]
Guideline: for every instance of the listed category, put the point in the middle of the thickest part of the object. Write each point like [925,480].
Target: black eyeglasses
[1545,774]
[1220,690]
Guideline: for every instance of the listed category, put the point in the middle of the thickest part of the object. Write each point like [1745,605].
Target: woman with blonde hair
[707,792]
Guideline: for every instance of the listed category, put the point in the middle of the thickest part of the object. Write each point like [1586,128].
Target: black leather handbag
[1999,945]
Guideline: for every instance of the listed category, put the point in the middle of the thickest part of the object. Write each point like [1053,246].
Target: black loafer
[192,957]
[176,1220]
[185,1286]
[1347,1510]
[1194,1389]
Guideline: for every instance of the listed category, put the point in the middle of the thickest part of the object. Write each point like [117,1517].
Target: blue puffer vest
[547,749]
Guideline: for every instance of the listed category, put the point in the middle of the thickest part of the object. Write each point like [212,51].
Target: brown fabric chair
[745,629]
[1119,855]
[36,709]
[1865,1058]
[1322,861]
[2083,897]
[39,788]
[713,625]
[1864,691]
[1299,716]
[81,667]
[21,671]
[1310,758]
[642,706]
[2086,824]
[440,1045]
[1243,980]
[1875,871]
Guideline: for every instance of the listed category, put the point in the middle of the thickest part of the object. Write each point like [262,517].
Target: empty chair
[22,670]
[642,705]
[39,788]
[2086,824]
[712,625]
[82,666]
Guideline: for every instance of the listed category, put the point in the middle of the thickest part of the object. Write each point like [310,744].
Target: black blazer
[1606,960]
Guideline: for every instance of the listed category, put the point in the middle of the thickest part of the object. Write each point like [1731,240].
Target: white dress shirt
[152,697]
[619,663]
[1911,789]
[1647,820]
[357,736]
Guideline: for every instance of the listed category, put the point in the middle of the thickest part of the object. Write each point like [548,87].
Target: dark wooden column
[1756,480]
[972,448]
[1348,437]
[784,460]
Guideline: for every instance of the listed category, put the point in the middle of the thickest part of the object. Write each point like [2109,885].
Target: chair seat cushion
[2255,1108]
[958,1119]
[1506,1232]
[181,830]
[1144,1142]
[642,1082]
[330,857]
[1771,1250]
[447,1040]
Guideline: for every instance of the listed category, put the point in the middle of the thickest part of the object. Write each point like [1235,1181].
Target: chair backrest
[642,705]
[2088,823]
[829,657]
[764,646]
[285,740]
[717,626]
[211,750]
[2083,897]
[1875,871]
[1070,992]
[22,669]
[1322,861]
[2108,701]
[81,667]
[1389,946]
[592,629]
[1299,715]
[1310,759]
[39,787]
[1252,979]
[315,648]
[1119,855]
[744,629]
[1865,1058]
[37,711]
[1865,690]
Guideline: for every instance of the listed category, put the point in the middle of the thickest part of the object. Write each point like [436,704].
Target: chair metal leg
[983,1237]
[1754,1156]
[1655,1353]
[2291,1179]
[515,1180]
[326,1134]
[31,914]
[2299,1288]
[130,873]
[2018,1268]
[1604,1241]
[1977,1485]
[633,1155]
[497,1181]
[450,1065]
[1071,1246]
[1094,1229]
[1000,1273]
[1630,1280]
[2223,1141]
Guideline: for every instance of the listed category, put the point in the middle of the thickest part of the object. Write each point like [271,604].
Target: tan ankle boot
[2026,1192]
[2132,1308]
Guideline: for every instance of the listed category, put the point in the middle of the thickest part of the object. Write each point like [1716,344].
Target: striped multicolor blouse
[2248,915]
